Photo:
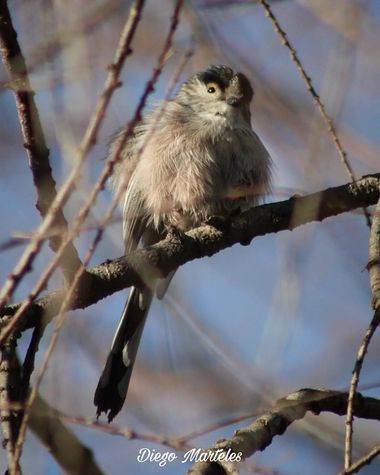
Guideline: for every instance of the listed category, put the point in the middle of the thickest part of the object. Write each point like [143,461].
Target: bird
[190,159]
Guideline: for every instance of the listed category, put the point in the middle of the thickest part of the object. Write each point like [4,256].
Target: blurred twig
[329,122]
[9,389]
[45,422]
[206,240]
[93,16]
[374,259]
[277,102]
[131,434]
[374,276]
[112,82]
[80,219]
[34,139]
[178,444]
[89,139]
[287,410]
[353,388]
[98,186]
[29,361]
[19,238]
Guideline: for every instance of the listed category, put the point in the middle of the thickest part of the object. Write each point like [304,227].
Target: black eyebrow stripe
[207,77]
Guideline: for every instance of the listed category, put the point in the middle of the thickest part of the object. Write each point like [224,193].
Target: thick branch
[174,251]
[34,140]
[9,389]
[260,434]
[374,260]
[69,452]
[374,277]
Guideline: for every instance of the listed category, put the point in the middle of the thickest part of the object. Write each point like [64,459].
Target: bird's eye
[212,87]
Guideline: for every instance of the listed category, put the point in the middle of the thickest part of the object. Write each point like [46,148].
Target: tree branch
[373,267]
[33,135]
[9,394]
[365,460]
[69,452]
[112,83]
[317,100]
[158,260]
[287,410]
[374,259]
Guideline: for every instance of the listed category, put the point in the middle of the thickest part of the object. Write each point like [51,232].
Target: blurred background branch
[286,411]
[34,138]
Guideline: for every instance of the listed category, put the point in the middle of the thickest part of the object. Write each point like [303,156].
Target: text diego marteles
[193,455]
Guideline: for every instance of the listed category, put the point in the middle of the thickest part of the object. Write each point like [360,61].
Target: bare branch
[89,139]
[161,258]
[329,122]
[353,388]
[374,259]
[107,171]
[287,410]
[374,276]
[63,35]
[81,216]
[62,443]
[365,460]
[127,432]
[34,139]
[45,422]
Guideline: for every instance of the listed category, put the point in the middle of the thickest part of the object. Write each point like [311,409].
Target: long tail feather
[113,384]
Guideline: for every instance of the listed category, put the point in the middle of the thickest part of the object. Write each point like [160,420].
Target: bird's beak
[234,101]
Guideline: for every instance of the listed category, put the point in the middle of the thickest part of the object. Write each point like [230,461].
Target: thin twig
[353,388]
[175,77]
[373,266]
[107,171]
[65,34]
[365,460]
[116,154]
[33,135]
[374,275]
[343,157]
[217,425]
[89,139]
[293,407]
[22,238]
[329,122]
[112,82]
[179,444]
[131,434]
[68,451]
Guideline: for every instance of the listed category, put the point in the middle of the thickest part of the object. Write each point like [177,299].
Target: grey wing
[134,216]
[125,185]
[137,222]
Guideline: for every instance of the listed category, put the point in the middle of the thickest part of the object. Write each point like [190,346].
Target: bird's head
[217,93]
